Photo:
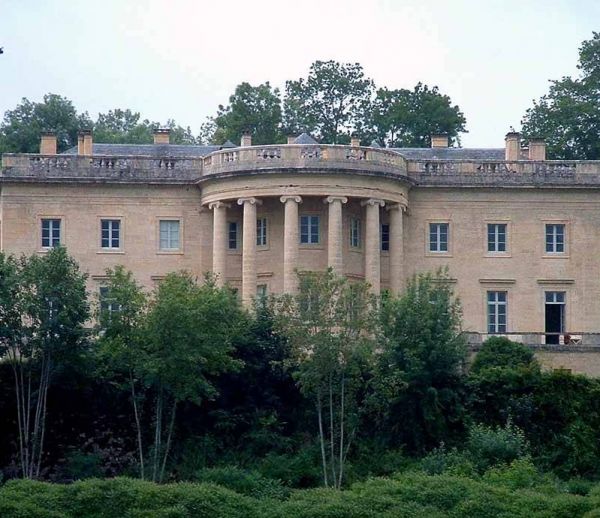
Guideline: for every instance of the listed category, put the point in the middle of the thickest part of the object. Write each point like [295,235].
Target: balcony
[575,342]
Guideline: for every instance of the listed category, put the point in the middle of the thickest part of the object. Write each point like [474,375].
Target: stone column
[219,266]
[396,248]
[290,242]
[249,249]
[335,241]
[372,245]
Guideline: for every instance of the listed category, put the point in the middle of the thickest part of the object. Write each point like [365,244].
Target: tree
[188,339]
[43,310]
[21,128]
[330,326]
[256,109]
[120,316]
[330,103]
[408,118]
[418,383]
[568,116]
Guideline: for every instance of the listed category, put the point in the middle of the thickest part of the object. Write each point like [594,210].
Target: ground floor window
[497,310]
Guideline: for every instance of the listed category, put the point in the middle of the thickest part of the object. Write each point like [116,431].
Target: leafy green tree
[21,128]
[418,384]
[43,310]
[408,118]
[568,116]
[330,103]
[256,109]
[120,316]
[188,340]
[330,326]
[498,351]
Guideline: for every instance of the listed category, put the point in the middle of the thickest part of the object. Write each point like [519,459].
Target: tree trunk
[322,438]
[341,452]
[138,425]
[168,445]
[157,435]
[331,432]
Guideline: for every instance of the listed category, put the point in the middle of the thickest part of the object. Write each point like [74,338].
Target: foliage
[21,128]
[568,116]
[330,324]
[501,352]
[250,483]
[256,109]
[418,388]
[329,102]
[493,446]
[408,118]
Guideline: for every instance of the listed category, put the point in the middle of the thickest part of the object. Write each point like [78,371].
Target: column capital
[290,197]
[331,199]
[396,206]
[218,205]
[372,202]
[251,200]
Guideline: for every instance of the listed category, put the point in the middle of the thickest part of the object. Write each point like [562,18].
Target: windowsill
[356,250]
[109,251]
[438,254]
[169,252]
[263,248]
[237,251]
[558,255]
[316,246]
[497,254]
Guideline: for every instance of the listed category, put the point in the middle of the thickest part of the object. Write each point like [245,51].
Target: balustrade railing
[571,340]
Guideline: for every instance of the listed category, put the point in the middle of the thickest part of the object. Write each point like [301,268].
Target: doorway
[555,316]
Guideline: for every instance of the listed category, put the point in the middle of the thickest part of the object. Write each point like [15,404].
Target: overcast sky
[180,59]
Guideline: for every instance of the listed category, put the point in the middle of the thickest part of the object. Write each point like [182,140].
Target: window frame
[492,310]
[262,230]
[111,220]
[554,242]
[238,227]
[381,240]
[310,226]
[173,219]
[61,225]
[355,233]
[428,228]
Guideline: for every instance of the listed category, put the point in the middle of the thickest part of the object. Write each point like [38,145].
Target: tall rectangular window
[107,304]
[555,238]
[110,233]
[496,235]
[309,230]
[385,237]
[50,233]
[438,237]
[232,235]
[355,233]
[261,232]
[169,234]
[496,310]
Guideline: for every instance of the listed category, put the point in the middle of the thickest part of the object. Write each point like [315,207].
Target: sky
[180,59]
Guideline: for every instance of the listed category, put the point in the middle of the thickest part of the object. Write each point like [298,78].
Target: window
[496,236]
[497,309]
[555,238]
[385,237]
[438,237]
[232,235]
[110,233]
[309,230]
[169,235]
[50,233]
[261,232]
[261,291]
[355,233]
[107,305]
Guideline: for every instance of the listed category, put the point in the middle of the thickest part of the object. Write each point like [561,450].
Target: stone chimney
[355,142]
[440,140]
[512,150]
[162,136]
[85,142]
[48,143]
[246,139]
[291,139]
[537,149]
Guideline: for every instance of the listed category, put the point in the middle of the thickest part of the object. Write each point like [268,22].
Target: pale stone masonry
[519,234]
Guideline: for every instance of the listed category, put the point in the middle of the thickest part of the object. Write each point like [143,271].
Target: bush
[504,353]
[451,462]
[491,446]
[250,483]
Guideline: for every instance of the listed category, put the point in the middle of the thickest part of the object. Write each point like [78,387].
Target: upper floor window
[555,238]
[110,233]
[355,233]
[261,232]
[169,234]
[309,230]
[385,237]
[50,233]
[438,237]
[496,311]
[496,237]
[232,235]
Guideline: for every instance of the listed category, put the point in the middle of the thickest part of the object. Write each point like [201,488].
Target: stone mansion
[518,233]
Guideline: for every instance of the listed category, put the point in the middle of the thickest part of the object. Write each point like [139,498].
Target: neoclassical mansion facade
[520,234]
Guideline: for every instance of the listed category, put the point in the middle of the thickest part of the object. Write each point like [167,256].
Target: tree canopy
[568,116]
